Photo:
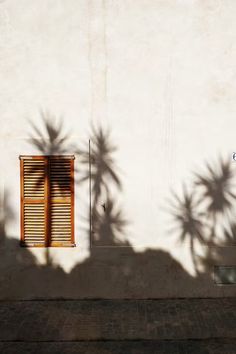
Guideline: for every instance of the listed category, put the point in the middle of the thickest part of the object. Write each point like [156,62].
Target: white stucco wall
[161,76]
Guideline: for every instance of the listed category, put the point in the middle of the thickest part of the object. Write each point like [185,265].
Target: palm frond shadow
[188,220]
[217,187]
[101,161]
[199,212]
[108,225]
[98,166]
[51,139]
[230,234]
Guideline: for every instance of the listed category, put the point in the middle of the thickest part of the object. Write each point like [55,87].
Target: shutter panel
[33,201]
[47,200]
[62,201]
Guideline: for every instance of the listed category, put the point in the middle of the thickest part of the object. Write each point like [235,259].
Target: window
[47,201]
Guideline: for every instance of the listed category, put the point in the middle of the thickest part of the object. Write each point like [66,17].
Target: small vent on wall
[225,275]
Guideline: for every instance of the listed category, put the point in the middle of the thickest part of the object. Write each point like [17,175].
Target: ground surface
[193,326]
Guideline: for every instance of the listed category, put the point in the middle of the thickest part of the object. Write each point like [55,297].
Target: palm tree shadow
[51,139]
[188,220]
[108,225]
[206,209]
[99,169]
[101,162]
[230,234]
[217,187]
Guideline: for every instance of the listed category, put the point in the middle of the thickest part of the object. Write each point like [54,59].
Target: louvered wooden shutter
[33,201]
[61,196]
[47,200]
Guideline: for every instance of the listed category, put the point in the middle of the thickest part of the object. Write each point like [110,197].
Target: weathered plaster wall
[161,76]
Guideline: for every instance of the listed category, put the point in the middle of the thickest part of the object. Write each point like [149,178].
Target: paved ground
[193,326]
[117,347]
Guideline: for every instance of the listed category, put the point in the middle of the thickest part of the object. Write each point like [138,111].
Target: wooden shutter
[62,201]
[33,201]
[47,200]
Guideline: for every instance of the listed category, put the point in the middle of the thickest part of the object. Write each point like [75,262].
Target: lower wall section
[106,273]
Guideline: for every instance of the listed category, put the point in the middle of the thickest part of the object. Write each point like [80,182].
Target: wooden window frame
[47,201]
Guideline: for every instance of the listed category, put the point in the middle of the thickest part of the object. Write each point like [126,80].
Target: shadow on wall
[50,138]
[118,272]
[107,220]
[205,214]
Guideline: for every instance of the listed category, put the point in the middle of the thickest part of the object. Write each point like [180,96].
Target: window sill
[52,245]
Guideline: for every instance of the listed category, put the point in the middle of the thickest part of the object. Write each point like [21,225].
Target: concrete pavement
[194,326]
